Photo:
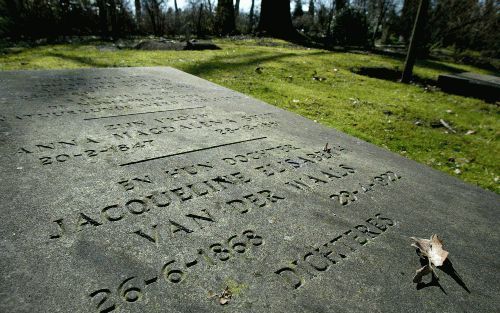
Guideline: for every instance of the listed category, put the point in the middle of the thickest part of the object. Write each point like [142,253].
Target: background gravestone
[150,190]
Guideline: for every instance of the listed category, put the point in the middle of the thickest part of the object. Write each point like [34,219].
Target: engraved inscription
[322,258]
[345,197]
[174,271]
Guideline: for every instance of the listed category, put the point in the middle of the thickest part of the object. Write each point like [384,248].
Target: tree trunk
[224,18]
[103,17]
[330,20]
[113,18]
[236,8]
[251,17]
[138,13]
[339,5]
[275,19]
[311,9]
[415,40]
[379,20]
[199,31]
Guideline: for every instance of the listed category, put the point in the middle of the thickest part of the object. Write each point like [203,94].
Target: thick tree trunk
[113,18]
[251,17]
[138,13]
[236,8]
[339,5]
[224,18]
[103,17]
[415,40]
[275,19]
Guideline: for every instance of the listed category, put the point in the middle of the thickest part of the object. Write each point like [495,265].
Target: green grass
[379,111]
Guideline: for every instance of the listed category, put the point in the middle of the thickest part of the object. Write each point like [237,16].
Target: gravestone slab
[471,84]
[151,190]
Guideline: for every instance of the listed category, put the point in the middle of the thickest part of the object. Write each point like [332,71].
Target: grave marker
[151,190]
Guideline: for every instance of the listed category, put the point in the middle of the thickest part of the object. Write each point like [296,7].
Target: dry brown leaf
[432,250]
[225,296]
[421,273]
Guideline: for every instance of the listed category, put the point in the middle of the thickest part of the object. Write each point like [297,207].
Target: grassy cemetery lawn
[322,86]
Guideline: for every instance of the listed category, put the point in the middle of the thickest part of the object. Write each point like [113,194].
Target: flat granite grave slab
[151,190]
[471,84]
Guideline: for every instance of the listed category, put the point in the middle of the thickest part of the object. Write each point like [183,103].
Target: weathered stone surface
[471,84]
[150,190]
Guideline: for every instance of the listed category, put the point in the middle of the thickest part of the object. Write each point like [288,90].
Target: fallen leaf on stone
[225,296]
[431,250]
[421,273]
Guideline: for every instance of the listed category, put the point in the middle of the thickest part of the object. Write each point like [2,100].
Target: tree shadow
[82,60]
[228,63]
[435,65]
[391,75]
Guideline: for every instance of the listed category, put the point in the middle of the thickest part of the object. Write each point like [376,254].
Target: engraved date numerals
[345,197]
[132,289]
[128,291]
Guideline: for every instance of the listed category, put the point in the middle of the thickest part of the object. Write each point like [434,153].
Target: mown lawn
[321,86]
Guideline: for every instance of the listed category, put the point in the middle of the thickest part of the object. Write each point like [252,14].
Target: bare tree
[156,16]
[382,8]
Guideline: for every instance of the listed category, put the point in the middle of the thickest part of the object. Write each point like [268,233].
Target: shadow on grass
[430,62]
[217,62]
[391,75]
[81,60]
[224,63]
[439,66]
